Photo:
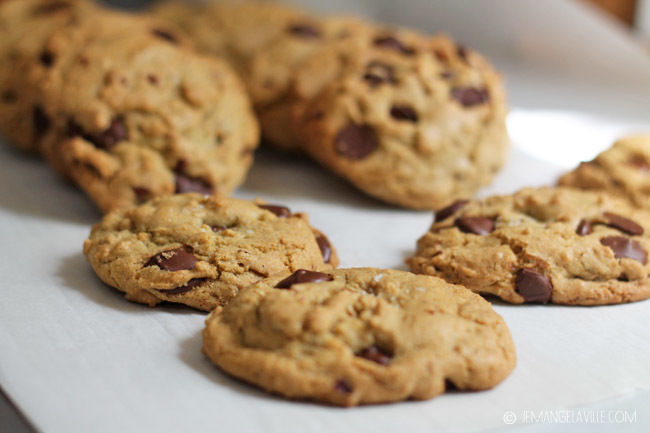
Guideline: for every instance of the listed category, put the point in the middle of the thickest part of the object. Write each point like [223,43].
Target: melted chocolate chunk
[392,43]
[173,260]
[41,121]
[279,211]
[46,58]
[342,386]
[186,183]
[404,112]
[305,31]
[165,35]
[356,141]
[584,228]
[476,225]
[325,247]
[378,73]
[302,276]
[448,211]
[374,354]
[625,248]
[533,286]
[623,224]
[115,133]
[470,96]
[194,282]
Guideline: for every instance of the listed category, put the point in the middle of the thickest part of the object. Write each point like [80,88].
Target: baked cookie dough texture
[558,245]
[413,120]
[123,107]
[358,336]
[622,170]
[200,251]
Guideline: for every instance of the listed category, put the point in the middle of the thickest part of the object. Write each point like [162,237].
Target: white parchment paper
[76,357]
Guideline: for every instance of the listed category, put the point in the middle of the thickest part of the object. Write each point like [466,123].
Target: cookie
[359,336]
[413,122]
[622,170]
[134,115]
[200,251]
[234,30]
[557,245]
[271,73]
[25,26]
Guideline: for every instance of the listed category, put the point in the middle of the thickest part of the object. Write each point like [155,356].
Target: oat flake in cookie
[557,245]
[200,251]
[359,336]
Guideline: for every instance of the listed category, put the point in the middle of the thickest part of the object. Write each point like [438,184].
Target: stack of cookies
[154,124]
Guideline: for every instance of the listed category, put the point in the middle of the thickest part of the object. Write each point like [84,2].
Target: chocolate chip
[115,133]
[470,96]
[533,286]
[441,55]
[217,229]
[356,141]
[448,211]
[623,224]
[46,58]
[153,79]
[163,34]
[378,73]
[186,183]
[305,31]
[392,43]
[625,248]
[325,247]
[194,282]
[374,354]
[342,386]
[142,193]
[403,112]
[41,121]
[447,75]
[584,228]
[173,260]
[302,276]
[639,162]
[477,225]
[279,211]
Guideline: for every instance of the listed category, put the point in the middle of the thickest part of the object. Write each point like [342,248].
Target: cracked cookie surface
[556,245]
[135,114]
[623,170]
[359,336]
[200,251]
[411,120]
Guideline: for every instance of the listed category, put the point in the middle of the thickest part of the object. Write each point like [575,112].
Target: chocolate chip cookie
[200,251]
[556,245]
[25,26]
[415,122]
[358,336]
[135,115]
[623,170]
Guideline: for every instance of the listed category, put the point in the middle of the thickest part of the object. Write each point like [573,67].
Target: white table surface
[76,357]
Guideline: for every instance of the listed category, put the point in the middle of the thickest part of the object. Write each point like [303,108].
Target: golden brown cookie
[200,251]
[359,336]
[622,170]
[556,245]
[412,121]
[134,115]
